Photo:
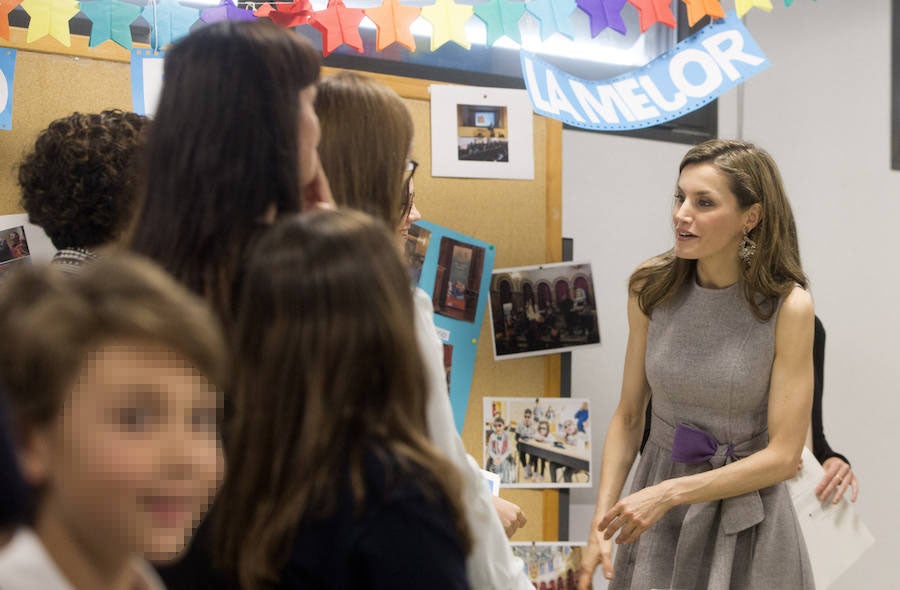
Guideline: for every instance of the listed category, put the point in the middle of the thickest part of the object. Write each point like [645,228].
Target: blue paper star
[110,20]
[226,10]
[603,14]
[170,22]
[554,16]
[501,19]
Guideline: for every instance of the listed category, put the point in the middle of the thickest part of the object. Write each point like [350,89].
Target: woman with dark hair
[233,146]
[365,149]
[335,482]
[721,333]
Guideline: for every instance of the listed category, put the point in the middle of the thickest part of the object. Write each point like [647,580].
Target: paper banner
[604,14]
[226,10]
[6,6]
[743,6]
[394,22]
[169,21]
[442,259]
[717,58]
[555,16]
[654,11]
[697,9]
[339,25]
[146,80]
[501,19]
[448,21]
[7,70]
[50,18]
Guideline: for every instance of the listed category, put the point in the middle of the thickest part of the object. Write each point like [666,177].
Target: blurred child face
[134,459]
[527,417]
[498,427]
[570,427]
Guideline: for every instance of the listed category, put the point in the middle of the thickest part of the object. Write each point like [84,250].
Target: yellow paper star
[742,6]
[448,19]
[50,17]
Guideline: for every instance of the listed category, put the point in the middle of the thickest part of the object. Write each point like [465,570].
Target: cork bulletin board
[521,218]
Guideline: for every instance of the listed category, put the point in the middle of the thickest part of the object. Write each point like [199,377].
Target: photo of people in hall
[543,309]
[550,566]
[482,133]
[13,248]
[542,442]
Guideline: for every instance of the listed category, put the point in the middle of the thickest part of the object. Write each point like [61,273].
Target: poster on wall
[543,309]
[7,72]
[552,566]
[146,80]
[455,271]
[481,132]
[542,442]
[22,242]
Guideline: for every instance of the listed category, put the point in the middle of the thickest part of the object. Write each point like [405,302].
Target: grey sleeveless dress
[708,363]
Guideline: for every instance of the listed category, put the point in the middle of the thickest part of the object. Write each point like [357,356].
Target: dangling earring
[746,249]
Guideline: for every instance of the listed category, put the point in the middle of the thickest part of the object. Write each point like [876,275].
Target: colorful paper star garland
[743,6]
[555,16]
[448,20]
[654,11]
[6,6]
[293,15]
[50,17]
[697,9]
[169,21]
[501,19]
[339,25]
[226,10]
[394,22]
[110,20]
[604,14]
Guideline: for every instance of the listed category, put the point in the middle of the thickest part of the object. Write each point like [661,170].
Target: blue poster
[455,270]
[7,71]
[717,58]
[146,80]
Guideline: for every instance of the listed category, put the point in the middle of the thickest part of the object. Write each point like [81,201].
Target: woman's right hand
[599,552]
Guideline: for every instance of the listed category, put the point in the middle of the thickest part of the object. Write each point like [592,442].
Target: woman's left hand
[634,514]
[838,477]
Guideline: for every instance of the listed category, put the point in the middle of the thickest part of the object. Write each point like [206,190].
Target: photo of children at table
[552,441]
[550,565]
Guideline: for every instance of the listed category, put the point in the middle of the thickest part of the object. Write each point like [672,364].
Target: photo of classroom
[542,309]
[538,442]
[13,248]
[457,283]
[482,133]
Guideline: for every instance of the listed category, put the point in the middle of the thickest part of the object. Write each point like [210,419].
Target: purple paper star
[603,14]
[226,10]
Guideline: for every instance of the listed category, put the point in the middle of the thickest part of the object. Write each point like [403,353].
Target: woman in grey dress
[721,333]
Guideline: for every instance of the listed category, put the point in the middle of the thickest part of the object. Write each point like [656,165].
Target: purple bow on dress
[692,445]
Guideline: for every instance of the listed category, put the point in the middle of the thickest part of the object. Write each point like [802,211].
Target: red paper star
[394,21]
[298,13]
[653,11]
[697,9]
[264,11]
[6,6]
[338,25]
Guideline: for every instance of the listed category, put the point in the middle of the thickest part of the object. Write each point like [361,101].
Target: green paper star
[501,18]
[110,20]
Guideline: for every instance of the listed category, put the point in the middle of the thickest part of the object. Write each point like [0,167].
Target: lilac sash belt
[692,445]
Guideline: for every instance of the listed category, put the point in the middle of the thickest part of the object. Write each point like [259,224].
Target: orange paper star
[448,20]
[394,21]
[697,9]
[6,6]
[339,25]
[654,11]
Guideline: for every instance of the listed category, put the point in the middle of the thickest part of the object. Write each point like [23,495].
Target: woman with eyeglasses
[367,135]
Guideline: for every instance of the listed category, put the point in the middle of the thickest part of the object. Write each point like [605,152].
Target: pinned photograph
[543,309]
[457,283]
[13,248]
[551,566]
[415,248]
[542,442]
[481,132]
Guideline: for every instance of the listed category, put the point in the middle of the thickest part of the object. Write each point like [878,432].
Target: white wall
[823,111]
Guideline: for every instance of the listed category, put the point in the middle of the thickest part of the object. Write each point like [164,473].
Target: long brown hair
[329,371]
[367,133]
[224,149]
[774,270]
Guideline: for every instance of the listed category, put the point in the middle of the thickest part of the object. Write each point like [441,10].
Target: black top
[12,486]
[821,448]
[400,540]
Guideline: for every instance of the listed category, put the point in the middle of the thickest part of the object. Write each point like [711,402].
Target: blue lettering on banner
[7,71]
[696,71]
